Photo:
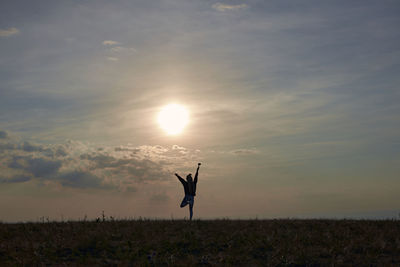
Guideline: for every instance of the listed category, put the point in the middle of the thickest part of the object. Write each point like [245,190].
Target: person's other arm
[197,173]
[180,178]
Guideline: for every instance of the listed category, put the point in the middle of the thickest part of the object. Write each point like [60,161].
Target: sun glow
[173,118]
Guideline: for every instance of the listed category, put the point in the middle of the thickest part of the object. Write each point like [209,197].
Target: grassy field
[284,242]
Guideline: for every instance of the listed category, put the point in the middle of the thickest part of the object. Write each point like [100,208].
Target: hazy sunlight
[173,118]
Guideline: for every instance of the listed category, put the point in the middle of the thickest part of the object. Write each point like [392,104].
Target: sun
[173,118]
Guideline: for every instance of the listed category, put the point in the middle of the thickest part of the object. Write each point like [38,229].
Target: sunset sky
[294,108]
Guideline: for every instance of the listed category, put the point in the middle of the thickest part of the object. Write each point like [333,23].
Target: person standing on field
[190,189]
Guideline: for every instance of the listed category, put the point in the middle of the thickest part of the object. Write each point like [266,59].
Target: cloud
[122,49]
[244,152]
[57,150]
[8,32]
[38,167]
[132,167]
[61,151]
[42,167]
[3,134]
[116,49]
[176,147]
[225,7]
[110,43]
[127,148]
[15,179]
[7,146]
[77,165]
[29,147]
[80,179]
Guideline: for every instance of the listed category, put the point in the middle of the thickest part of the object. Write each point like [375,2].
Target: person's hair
[189,175]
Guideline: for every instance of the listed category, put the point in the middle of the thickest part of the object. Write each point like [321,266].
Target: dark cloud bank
[78,165]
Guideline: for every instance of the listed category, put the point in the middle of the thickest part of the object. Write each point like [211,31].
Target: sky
[294,108]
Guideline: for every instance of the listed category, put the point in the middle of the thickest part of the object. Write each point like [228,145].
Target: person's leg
[191,211]
[184,202]
[191,203]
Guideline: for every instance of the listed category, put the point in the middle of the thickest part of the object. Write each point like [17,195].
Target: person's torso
[191,188]
[185,187]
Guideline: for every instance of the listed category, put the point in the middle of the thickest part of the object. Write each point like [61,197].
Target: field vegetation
[143,242]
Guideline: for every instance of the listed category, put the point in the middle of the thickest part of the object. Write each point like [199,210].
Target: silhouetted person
[190,189]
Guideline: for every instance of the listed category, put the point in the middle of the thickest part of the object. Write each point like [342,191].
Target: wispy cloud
[227,7]
[110,43]
[121,49]
[8,32]
[245,151]
[114,48]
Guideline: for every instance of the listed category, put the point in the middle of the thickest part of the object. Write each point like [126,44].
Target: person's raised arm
[197,173]
[180,178]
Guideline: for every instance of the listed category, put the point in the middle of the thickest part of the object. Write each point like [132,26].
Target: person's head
[189,177]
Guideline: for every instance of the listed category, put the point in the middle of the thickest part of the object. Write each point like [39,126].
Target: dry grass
[215,242]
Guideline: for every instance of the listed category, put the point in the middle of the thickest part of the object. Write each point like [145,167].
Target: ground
[143,242]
